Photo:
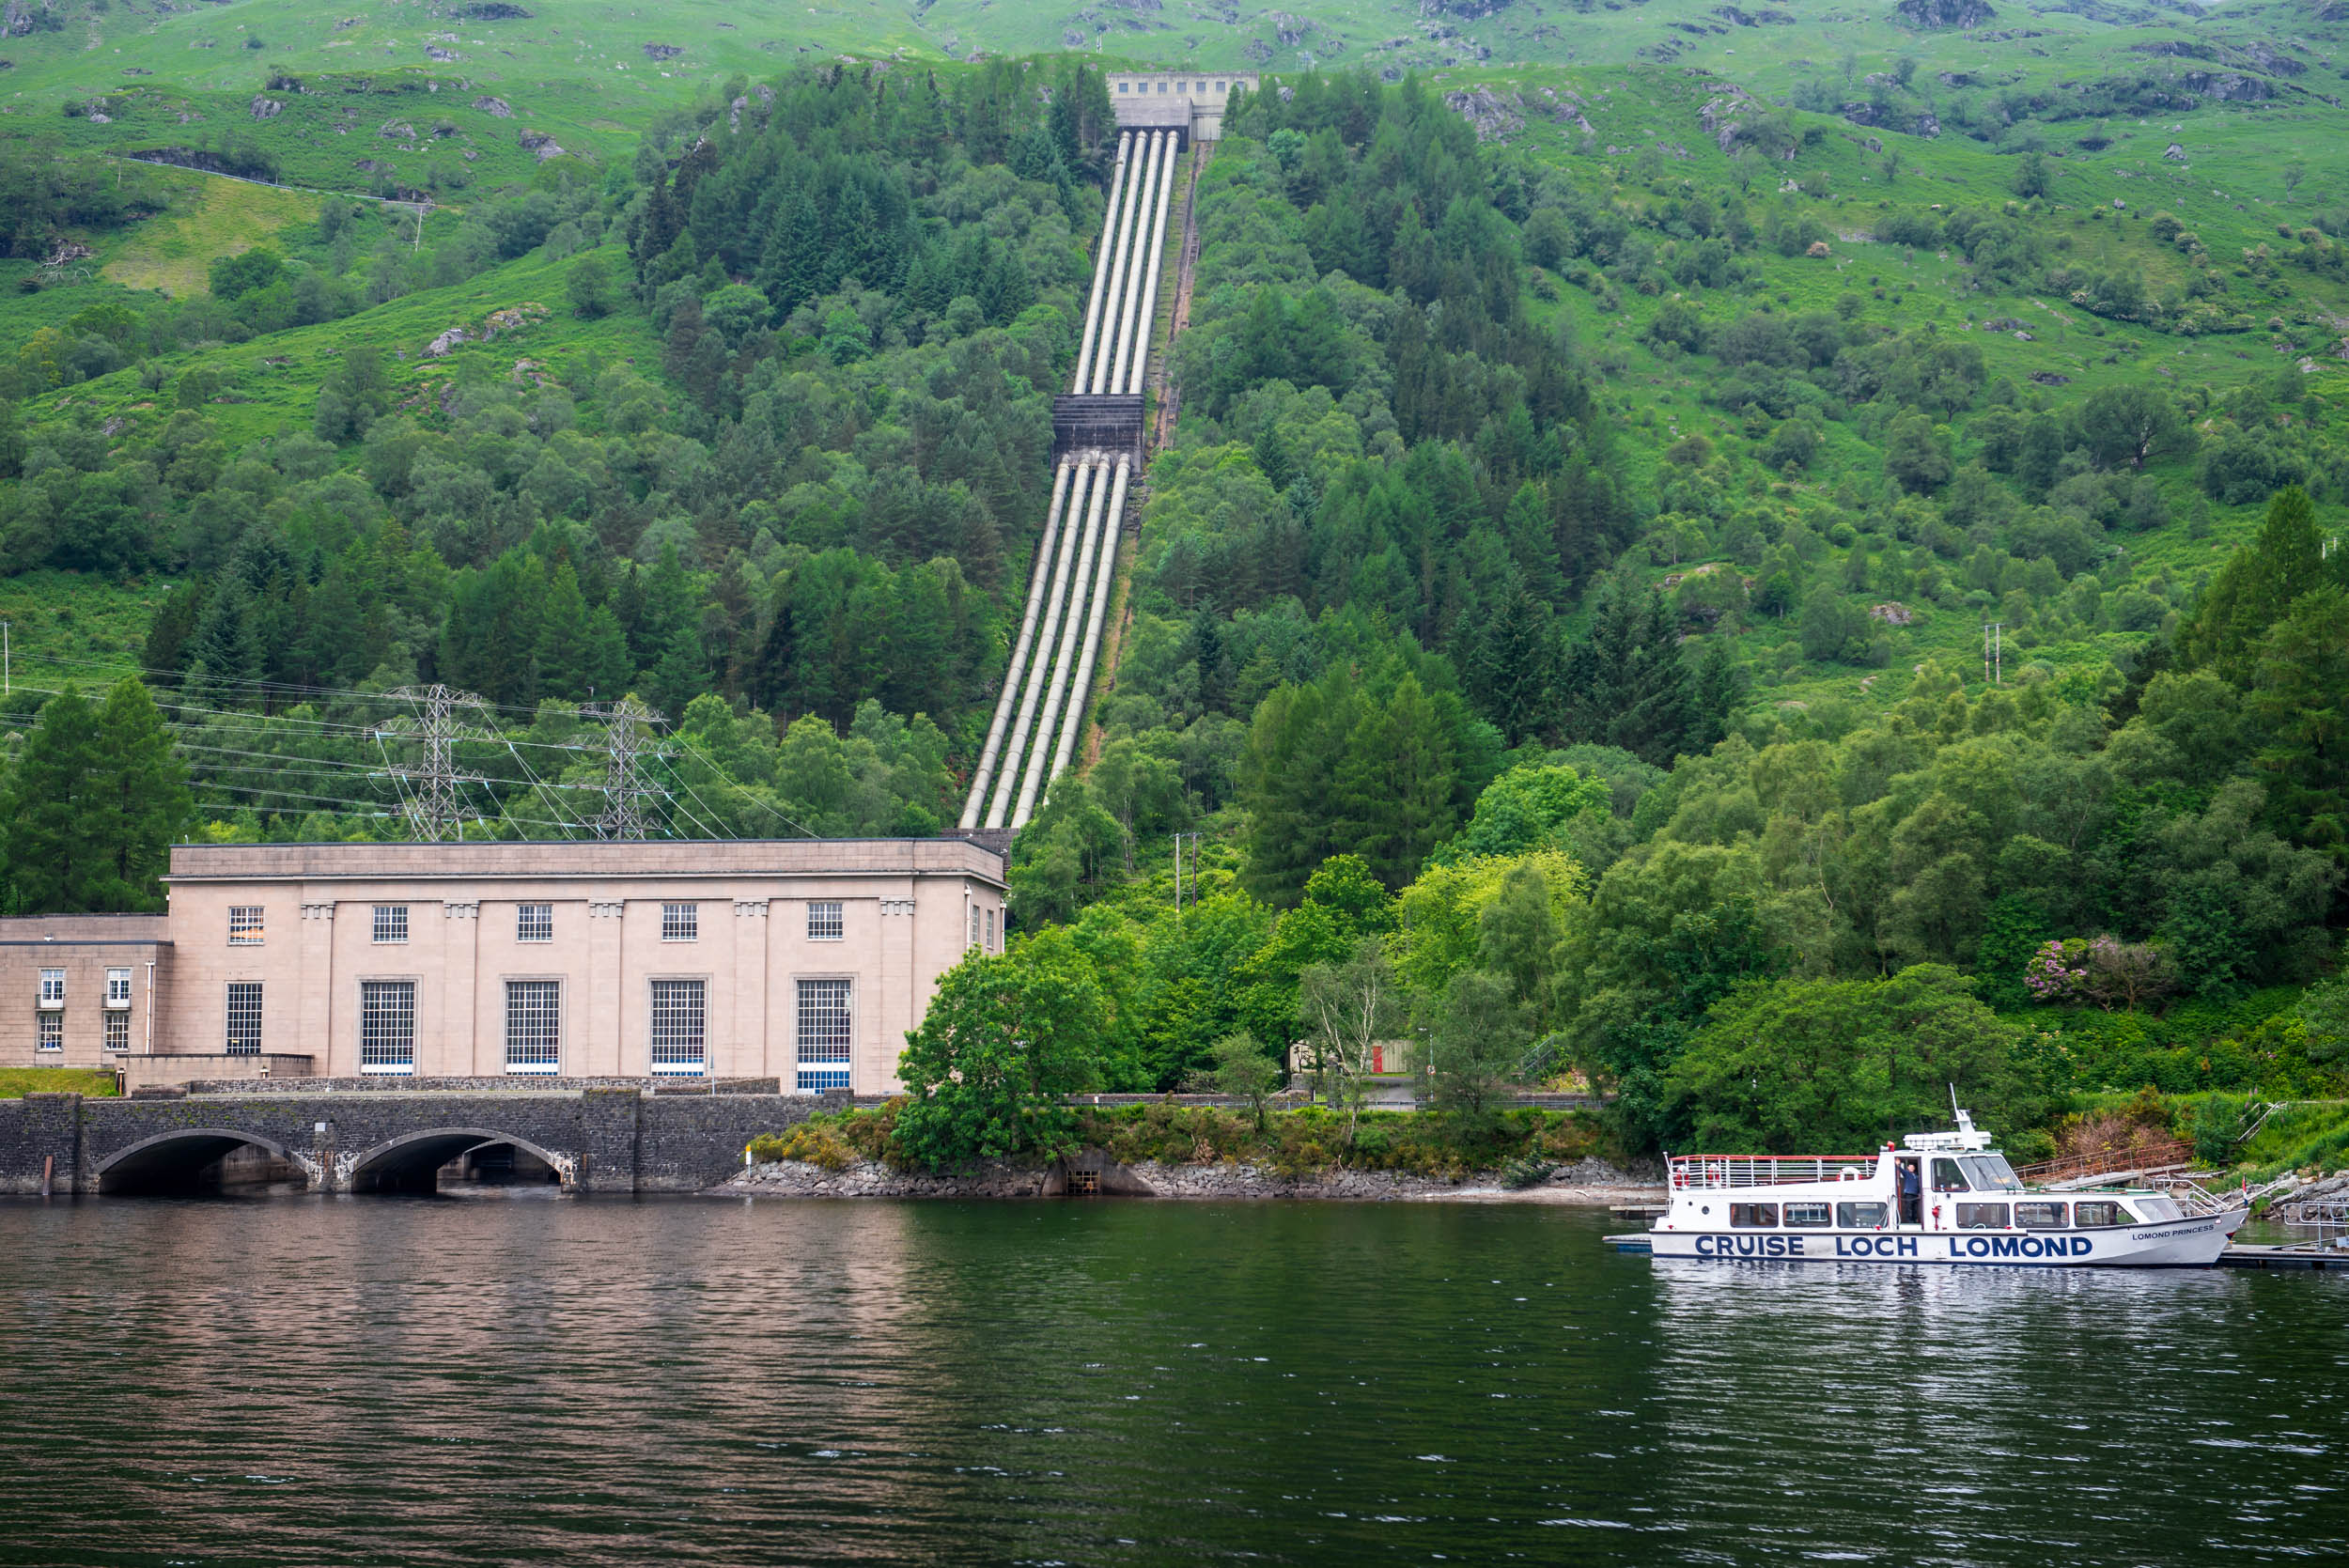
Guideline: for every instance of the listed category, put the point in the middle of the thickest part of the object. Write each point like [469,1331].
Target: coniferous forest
[1769,621]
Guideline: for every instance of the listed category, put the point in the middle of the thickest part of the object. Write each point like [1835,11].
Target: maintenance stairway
[1097,432]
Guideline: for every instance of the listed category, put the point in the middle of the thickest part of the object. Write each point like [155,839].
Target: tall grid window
[244,925]
[245,1019]
[390,923]
[534,922]
[990,930]
[824,923]
[118,988]
[974,926]
[387,1026]
[52,1032]
[680,923]
[826,1030]
[534,1026]
[679,1042]
[53,988]
[118,1031]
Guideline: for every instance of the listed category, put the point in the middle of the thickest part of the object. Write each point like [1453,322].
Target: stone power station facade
[800,961]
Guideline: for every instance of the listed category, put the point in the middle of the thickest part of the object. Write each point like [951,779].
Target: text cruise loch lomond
[1945,1198]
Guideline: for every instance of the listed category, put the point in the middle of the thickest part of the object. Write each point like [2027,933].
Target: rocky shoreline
[1590,1181]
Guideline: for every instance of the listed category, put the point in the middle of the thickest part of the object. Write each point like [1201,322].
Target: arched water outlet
[205,1159]
[412,1163]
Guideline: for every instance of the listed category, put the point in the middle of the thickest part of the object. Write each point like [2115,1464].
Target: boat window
[1859,1217]
[2158,1208]
[1982,1217]
[2102,1211]
[1947,1177]
[2039,1217]
[1753,1214]
[1991,1173]
[1809,1215]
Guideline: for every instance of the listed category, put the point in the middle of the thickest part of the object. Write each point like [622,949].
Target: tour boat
[1963,1205]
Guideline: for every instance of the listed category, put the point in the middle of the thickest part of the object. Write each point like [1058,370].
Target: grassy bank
[16,1082]
[1523,1143]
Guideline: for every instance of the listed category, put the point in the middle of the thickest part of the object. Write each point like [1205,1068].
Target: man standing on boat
[1913,1196]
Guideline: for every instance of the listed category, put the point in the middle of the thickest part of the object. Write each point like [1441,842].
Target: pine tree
[562,637]
[56,853]
[1512,667]
[140,796]
[1395,785]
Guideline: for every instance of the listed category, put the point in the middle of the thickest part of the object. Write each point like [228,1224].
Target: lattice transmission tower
[436,812]
[629,746]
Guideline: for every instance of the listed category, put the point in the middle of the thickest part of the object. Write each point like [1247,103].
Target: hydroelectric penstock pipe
[979,781]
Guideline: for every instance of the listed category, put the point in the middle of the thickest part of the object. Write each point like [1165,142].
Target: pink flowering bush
[2102,970]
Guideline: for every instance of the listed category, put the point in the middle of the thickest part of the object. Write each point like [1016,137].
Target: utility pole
[1178,872]
[627,747]
[1993,653]
[435,814]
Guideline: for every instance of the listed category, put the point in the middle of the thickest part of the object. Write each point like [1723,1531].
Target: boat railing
[1715,1173]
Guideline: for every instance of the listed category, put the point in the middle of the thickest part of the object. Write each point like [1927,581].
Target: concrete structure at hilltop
[1188,102]
[802,961]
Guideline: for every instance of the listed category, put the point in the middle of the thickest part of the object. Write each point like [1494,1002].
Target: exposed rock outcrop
[1941,15]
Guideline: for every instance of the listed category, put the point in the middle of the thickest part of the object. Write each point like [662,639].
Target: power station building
[1189,101]
[806,961]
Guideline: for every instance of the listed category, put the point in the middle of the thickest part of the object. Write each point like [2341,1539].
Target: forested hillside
[1711,587]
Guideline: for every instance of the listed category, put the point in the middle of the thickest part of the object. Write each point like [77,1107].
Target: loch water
[532,1379]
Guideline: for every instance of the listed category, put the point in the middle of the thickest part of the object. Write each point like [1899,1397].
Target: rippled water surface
[541,1380]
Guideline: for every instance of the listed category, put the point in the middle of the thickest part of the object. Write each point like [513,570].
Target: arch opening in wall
[445,1159]
[198,1161]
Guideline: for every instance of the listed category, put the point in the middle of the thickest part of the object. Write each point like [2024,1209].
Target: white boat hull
[2187,1243]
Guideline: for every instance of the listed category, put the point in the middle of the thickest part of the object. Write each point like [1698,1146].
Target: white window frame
[117,1037]
[680,923]
[247,925]
[50,1026]
[534,922]
[534,1043]
[119,989]
[823,1064]
[992,927]
[975,929]
[827,920]
[388,926]
[52,988]
[243,998]
[687,1049]
[385,1015]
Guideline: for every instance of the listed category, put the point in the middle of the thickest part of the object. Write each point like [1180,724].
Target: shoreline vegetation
[1173,1150]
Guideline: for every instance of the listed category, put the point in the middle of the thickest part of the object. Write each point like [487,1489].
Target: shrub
[814,1142]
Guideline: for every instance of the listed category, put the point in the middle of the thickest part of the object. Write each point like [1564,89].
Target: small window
[824,923]
[680,923]
[1756,1215]
[1859,1217]
[1219,87]
[990,931]
[2102,1211]
[534,922]
[118,988]
[974,926]
[1808,1216]
[533,1025]
[53,988]
[52,1032]
[1947,1177]
[244,1035]
[118,1031]
[244,925]
[2039,1217]
[827,1035]
[390,923]
[1125,87]
[387,1026]
[680,1043]
[1982,1217]
[1162,87]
